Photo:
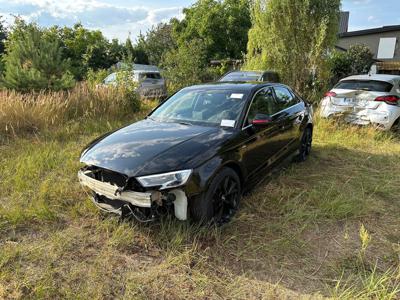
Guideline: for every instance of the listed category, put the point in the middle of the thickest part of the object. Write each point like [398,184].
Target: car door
[263,144]
[291,113]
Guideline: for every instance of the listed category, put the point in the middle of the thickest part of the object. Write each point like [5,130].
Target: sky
[119,19]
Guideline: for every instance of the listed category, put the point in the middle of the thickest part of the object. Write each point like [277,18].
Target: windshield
[241,76]
[204,107]
[366,85]
[110,78]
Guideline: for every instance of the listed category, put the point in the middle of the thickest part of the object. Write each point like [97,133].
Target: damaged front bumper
[113,192]
[143,206]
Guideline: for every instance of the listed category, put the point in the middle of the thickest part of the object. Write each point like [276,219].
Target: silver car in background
[364,100]
[150,83]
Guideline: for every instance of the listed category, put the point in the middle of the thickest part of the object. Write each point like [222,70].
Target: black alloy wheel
[305,146]
[226,200]
[220,202]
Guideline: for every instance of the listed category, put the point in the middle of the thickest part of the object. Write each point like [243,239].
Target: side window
[284,97]
[263,103]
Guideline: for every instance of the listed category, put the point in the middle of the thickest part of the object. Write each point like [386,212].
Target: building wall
[372,41]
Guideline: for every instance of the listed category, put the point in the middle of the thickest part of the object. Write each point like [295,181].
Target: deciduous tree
[221,25]
[156,42]
[186,65]
[293,38]
[87,49]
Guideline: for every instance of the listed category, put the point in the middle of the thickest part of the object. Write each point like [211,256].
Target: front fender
[203,175]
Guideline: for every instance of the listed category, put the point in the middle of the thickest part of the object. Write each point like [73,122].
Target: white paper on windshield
[228,123]
[237,96]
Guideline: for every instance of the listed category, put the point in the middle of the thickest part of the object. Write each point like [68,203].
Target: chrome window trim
[271,86]
[248,108]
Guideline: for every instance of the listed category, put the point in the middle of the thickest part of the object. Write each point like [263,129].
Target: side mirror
[261,120]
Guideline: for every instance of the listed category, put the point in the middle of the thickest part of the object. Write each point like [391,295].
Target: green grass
[297,235]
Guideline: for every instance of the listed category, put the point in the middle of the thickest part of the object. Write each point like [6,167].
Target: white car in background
[364,100]
[150,84]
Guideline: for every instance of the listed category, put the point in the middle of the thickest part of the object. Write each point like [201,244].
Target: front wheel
[220,202]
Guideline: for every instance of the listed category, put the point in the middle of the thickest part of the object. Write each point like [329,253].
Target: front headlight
[166,180]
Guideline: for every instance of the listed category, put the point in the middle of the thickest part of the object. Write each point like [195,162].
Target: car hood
[150,147]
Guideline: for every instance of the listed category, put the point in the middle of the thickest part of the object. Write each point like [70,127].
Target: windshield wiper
[185,123]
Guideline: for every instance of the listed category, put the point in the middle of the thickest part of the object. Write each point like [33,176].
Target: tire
[396,127]
[221,200]
[305,145]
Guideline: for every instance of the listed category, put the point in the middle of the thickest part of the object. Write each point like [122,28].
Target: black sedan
[195,154]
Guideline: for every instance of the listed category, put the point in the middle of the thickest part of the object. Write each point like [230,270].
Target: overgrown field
[329,227]
[22,113]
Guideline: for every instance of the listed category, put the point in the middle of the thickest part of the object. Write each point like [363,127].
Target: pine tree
[3,37]
[33,61]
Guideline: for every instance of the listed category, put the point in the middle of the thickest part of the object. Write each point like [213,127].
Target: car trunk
[356,99]
[359,95]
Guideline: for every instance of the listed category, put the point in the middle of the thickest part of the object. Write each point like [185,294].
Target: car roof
[145,71]
[234,86]
[140,72]
[379,77]
[245,72]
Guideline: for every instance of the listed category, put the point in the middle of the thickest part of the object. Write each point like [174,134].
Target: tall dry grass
[31,112]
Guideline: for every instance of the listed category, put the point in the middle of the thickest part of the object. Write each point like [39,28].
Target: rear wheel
[220,202]
[396,127]
[305,145]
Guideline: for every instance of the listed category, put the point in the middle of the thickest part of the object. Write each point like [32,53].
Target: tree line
[294,38]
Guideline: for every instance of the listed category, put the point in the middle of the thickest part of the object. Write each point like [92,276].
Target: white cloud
[115,21]
[164,14]
[359,2]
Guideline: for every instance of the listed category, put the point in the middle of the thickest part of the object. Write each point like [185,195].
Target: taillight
[330,94]
[389,99]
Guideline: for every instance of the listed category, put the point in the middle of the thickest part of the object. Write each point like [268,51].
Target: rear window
[365,85]
[239,76]
[150,76]
[270,76]
[110,78]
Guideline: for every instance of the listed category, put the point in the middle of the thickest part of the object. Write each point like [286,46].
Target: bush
[94,78]
[32,112]
[357,60]
[33,61]
[186,65]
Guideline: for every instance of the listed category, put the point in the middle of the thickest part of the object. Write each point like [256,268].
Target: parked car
[198,151]
[246,76]
[150,84]
[366,99]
